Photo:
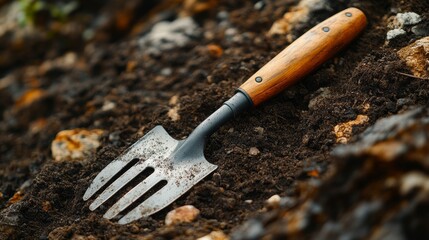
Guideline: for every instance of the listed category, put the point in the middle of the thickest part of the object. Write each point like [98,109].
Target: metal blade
[155,142]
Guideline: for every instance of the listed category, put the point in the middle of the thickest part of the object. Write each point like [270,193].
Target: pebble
[408,18]
[166,71]
[249,201]
[414,180]
[231,32]
[215,50]
[174,100]
[214,235]
[403,101]
[415,56]
[107,106]
[173,113]
[273,201]
[395,33]
[259,5]
[254,151]
[343,131]
[115,136]
[193,7]
[297,17]
[187,213]
[222,15]
[168,35]
[75,144]
[259,130]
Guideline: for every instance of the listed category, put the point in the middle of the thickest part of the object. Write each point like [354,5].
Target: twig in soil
[411,76]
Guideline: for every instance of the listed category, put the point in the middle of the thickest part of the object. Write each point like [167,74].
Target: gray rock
[259,5]
[168,35]
[408,18]
[395,33]
[222,15]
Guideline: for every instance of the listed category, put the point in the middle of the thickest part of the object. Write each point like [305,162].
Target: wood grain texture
[305,54]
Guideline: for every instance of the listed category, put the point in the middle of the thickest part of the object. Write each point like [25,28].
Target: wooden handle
[304,55]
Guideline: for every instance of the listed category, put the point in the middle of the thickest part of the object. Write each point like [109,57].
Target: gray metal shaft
[194,144]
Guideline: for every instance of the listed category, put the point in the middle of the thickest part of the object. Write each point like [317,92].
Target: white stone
[107,106]
[408,18]
[395,33]
[168,35]
[215,235]
[254,151]
[187,213]
[273,201]
[414,180]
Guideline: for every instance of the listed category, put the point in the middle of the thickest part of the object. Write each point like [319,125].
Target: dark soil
[296,140]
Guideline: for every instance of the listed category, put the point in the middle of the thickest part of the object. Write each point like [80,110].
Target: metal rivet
[349,14]
[325,29]
[258,79]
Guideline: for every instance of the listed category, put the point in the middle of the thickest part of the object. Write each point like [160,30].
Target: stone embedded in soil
[392,34]
[75,144]
[173,113]
[416,57]
[107,106]
[215,50]
[253,151]
[193,7]
[297,17]
[214,235]
[414,180]
[273,201]
[168,35]
[344,131]
[174,100]
[187,213]
[408,18]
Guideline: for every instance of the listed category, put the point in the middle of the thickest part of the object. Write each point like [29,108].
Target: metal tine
[137,150]
[159,200]
[121,182]
[104,176]
[134,194]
